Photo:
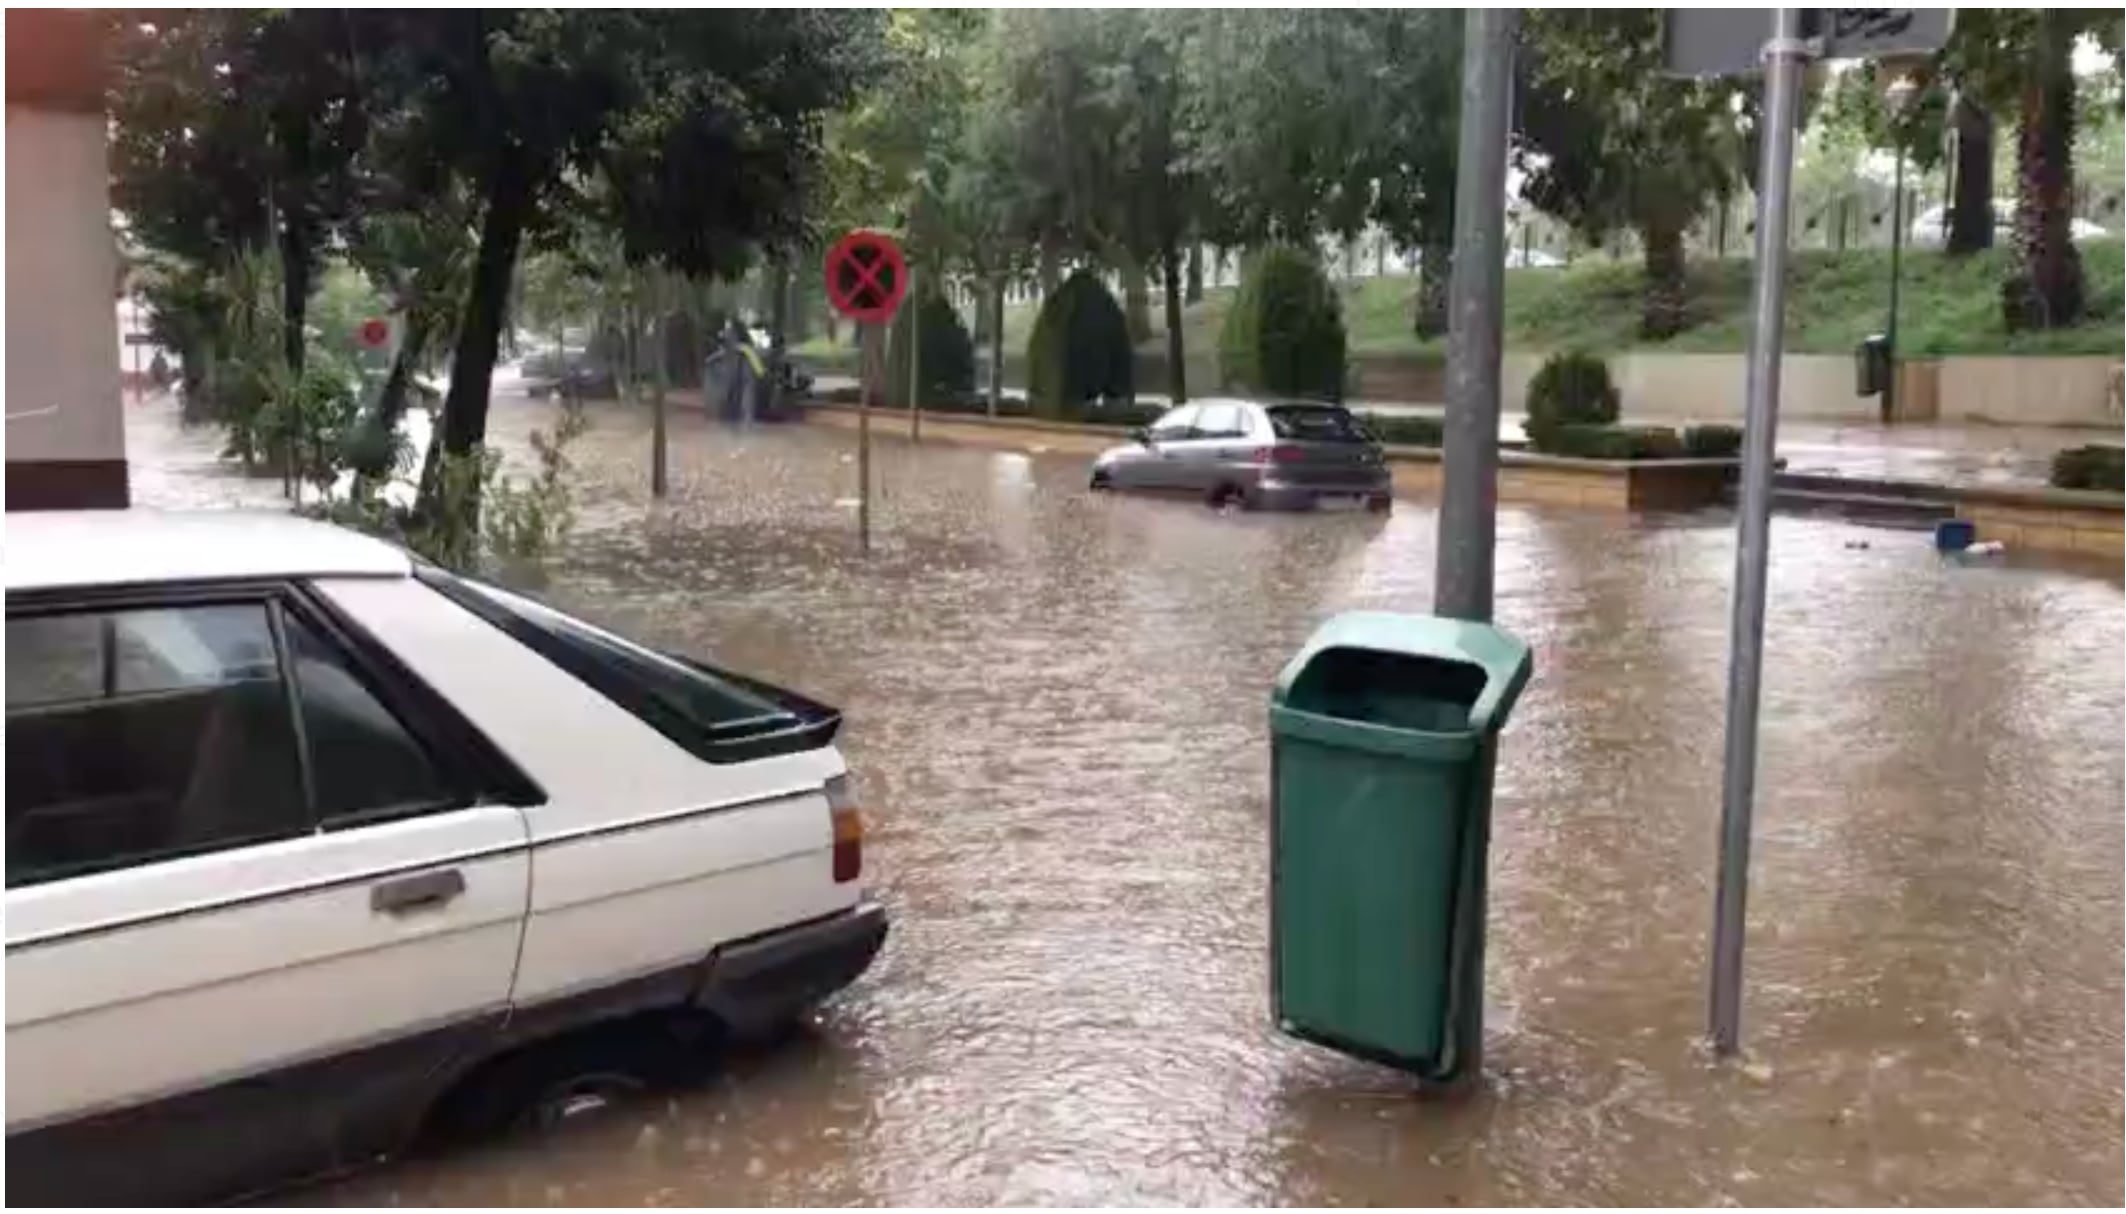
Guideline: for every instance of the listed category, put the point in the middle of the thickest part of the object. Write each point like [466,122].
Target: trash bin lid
[1504,658]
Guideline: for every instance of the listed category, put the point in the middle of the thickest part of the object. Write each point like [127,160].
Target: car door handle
[421,891]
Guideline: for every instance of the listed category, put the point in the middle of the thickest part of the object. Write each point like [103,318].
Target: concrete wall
[2028,391]
[1709,387]
[62,391]
[2023,390]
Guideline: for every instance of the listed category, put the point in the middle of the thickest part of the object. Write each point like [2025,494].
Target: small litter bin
[1382,731]
[1871,365]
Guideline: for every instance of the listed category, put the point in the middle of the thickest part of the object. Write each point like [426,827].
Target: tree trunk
[2045,289]
[1136,299]
[1176,354]
[779,310]
[472,366]
[659,480]
[1664,311]
[1435,270]
[1051,269]
[296,252]
[1195,273]
[996,346]
[1971,212]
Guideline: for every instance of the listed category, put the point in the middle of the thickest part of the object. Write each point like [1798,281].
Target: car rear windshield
[1319,422]
[712,713]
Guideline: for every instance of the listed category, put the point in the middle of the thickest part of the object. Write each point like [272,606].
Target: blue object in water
[1954,534]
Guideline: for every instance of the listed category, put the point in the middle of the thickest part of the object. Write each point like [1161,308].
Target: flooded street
[1056,715]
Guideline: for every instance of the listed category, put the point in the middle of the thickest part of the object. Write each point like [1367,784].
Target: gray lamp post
[1895,99]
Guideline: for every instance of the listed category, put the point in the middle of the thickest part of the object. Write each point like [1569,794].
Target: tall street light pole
[1899,93]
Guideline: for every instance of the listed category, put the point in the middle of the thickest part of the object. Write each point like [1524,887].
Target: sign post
[866,278]
[1715,42]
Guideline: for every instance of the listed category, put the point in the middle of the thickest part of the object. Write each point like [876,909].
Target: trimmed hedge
[1117,413]
[1713,442]
[1570,389]
[1284,334]
[2092,466]
[1079,350]
[1615,442]
[948,353]
[1415,430]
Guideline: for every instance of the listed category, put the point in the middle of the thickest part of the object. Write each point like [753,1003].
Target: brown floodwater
[1056,711]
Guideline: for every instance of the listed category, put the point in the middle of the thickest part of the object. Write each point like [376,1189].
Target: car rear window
[714,714]
[1317,422]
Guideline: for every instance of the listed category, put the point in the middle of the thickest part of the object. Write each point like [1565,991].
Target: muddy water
[1056,708]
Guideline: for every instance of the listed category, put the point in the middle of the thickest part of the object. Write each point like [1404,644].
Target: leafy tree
[1611,142]
[703,126]
[1284,334]
[1079,350]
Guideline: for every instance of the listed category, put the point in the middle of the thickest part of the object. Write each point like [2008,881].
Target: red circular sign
[866,276]
[375,332]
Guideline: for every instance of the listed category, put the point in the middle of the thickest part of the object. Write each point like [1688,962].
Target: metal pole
[1470,454]
[1784,57]
[915,361]
[1897,247]
[868,380]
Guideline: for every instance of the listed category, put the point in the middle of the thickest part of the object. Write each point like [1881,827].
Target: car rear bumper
[1283,496]
[755,984]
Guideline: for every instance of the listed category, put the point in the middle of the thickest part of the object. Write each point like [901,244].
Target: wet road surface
[1056,715]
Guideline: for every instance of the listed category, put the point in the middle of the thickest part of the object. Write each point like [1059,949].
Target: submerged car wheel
[1099,482]
[1228,498]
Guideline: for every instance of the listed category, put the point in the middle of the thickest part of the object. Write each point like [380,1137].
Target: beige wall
[2026,390]
[62,392]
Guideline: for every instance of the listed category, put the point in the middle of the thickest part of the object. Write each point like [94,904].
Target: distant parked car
[1232,453]
[1932,225]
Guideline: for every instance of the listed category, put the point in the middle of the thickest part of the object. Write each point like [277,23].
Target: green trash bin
[1382,731]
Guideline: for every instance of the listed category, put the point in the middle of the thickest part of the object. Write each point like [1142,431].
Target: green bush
[1585,441]
[1570,389]
[947,369]
[1713,442]
[1284,334]
[1079,350]
[2094,466]
[1411,431]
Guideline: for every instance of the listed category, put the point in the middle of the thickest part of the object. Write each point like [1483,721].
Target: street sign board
[375,332]
[1730,41]
[866,276]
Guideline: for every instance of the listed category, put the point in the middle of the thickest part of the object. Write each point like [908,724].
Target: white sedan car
[311,848]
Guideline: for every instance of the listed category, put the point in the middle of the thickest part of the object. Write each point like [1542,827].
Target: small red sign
[375,332]
[866,276]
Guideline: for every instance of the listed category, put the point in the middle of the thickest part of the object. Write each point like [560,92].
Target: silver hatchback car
[1237,453]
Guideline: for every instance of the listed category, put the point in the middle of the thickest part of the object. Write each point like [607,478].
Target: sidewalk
[1961,456]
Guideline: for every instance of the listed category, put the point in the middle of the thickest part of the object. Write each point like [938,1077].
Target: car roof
[65,548]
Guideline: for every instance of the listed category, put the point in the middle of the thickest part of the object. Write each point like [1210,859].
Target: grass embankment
[1948,306]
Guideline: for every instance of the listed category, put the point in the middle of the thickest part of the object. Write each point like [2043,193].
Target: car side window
[1175,425]
[363,762]
[136,735]
[1220,421]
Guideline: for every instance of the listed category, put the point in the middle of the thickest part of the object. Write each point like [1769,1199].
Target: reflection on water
[1056,707]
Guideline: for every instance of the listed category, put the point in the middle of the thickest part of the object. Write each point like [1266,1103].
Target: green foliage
[1597,441]
[1284,335]
[1625,145]
[1569,389]
[1713,441]
[2093,466]
[1079,350]
[1414,430]
[525,522]
[947,367]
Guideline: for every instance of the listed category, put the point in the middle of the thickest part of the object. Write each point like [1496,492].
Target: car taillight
[1278,455]
[848,830]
